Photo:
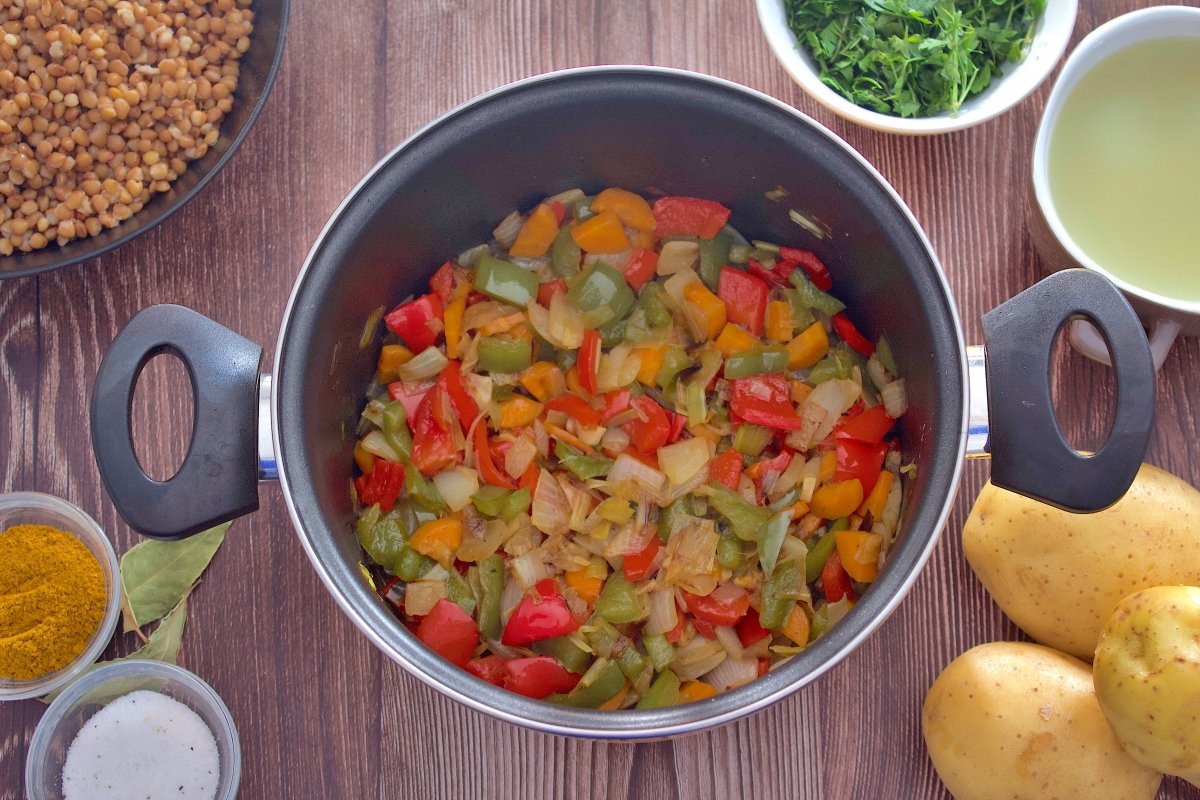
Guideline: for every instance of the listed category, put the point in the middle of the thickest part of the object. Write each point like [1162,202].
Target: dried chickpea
[103,103]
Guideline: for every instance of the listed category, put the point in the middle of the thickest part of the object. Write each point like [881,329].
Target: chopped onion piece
[697,657]
[550,511]
[506,232]
[895,398]
[375,443]
[789,478]
[682,461]
[426,364]
[825,406]
[509,599]
[628,468]
[691,556]
[878,375]
[729,640]
[732,672]
[677,256]
[565,322]
[456,486]
[479,387]
[421,596]
[664,615]
[615,441]
[476,548]
[528,569]
[518,457]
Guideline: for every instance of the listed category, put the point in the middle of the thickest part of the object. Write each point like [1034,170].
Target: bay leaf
[155,575]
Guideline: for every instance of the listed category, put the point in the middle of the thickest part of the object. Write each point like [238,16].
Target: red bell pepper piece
[538,677]
[869,426]
[750,630]
[678,423]
[813,267]
[689,216]
[450,632]
[409,394]
[530,479]
[577,408]
[835,579]
[433,446]
[483,459]
[589,360]
[560,211]
[725,613]
[764,666]
[615,402]
[544,618]
[771,276]
[450,379]
[546,291]
[862,460]
[765,400]
[704,628]
[488,668]
[777,464]
[640,267]
[442,282]
[745,297]
[418,322]
[382,486]
[648,434]
[726,469]
[850,335]
[641,564]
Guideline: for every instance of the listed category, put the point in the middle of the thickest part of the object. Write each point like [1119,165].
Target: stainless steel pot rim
[596,724]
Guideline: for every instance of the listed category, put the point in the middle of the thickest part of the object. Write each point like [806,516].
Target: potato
[1059,575]
[1018,720]
[1147,676]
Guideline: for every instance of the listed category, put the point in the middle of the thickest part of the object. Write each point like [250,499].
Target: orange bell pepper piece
[537,234]
[734,339]
[517,412]
[778,325]
[544,380]
[809,347]
[602,233]
[696,690]
[837,499]
[439,539]
[877,499]
[632,209]
[859,552]
[453,317]
[705,308]
[585,583]
[390,359]
[652,358]
[797,626]
[828,466]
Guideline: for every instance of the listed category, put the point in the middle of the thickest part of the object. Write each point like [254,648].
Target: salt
[142,745]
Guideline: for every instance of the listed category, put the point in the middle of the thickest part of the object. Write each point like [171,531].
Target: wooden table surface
[322,714]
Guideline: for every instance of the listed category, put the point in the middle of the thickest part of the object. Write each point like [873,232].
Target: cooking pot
[650,130]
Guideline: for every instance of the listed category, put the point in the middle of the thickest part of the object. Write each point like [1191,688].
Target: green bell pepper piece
[820,623]
[750,439]
[785,500]
[652,298]
[613,333]
[604,686]
[812,297]
[757,361]
[602,294]
[744,518]
[883,352]
[729,551]
[423,492]
[395,429]
[491,581]
[565,255]
[779,594]
[770,539]
[802,316]
[675,361]
[505,281]
[565,651]
[619,602]
[504,356]
[601,636]
[579,465]
[838,364]
[631,662]
[714,254]
[658,650]
[460,593]
[663,692]
[383,539]
[671,516]
[814,562]
[492,501]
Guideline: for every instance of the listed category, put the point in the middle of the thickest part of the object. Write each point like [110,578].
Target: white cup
[1165,317]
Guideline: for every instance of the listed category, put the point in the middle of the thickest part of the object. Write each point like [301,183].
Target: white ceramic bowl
[79,701]
[35,508]
[1166,317]
[1051,34]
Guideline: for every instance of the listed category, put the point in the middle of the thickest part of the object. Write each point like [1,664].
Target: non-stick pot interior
[653,131]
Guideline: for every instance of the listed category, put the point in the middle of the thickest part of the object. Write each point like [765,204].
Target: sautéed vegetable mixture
[621,457]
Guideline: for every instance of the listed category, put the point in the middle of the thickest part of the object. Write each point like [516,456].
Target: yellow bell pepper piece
[574,386]
[602,233]
[809,347]
[502,324]
[859,552]
[390,359]
[652,358]
[705,308]
[586,583]
[364,458]
[877,499]
[439,539]
[797,626]
[544,380]
[696,690]
[537,234]
[735,339]
[828,466]
[837,499]
[778,325]
[517,412]
[632,209]
[453,319]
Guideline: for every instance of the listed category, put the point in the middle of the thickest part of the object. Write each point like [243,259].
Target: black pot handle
[218,479]
[1029,453]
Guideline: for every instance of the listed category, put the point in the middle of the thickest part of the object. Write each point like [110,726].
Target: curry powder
[52,599]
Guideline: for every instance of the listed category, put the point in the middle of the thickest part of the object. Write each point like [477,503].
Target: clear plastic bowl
[35,508]
[79,701]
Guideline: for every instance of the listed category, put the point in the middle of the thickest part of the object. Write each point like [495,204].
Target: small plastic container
[79,701]
[35,508]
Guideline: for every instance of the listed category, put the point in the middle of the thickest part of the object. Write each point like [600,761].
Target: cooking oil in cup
[1124,165]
